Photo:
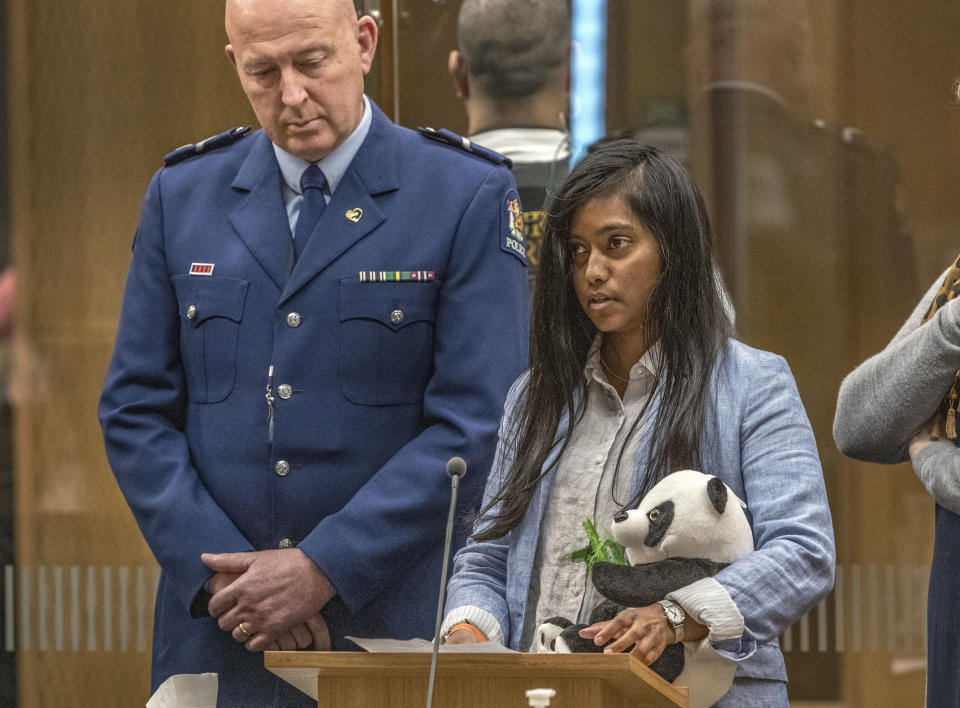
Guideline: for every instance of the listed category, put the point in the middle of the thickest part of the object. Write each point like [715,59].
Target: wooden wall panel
[646,50]
[808,219]
[898,61]
[99,91]
[427,33]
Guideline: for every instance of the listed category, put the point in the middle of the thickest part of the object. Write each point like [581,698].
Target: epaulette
[450,138]
[225,138]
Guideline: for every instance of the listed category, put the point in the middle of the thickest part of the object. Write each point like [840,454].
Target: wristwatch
[675,616]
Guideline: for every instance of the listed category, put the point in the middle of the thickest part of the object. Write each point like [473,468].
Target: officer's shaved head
[301,64]
[238,10]
[514,48]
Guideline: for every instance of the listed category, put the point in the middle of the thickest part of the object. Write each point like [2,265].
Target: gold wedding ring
[243,630]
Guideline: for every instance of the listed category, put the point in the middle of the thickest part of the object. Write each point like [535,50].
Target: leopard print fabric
[944,423]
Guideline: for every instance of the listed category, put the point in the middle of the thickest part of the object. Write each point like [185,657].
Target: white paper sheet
[186,691]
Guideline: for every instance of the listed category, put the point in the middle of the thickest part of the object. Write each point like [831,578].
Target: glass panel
[822,135]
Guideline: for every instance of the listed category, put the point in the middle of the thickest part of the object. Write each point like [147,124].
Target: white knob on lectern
[540,697]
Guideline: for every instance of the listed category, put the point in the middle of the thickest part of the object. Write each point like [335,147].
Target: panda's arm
[645,583]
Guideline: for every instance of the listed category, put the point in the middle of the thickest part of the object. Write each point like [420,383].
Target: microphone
[456,468]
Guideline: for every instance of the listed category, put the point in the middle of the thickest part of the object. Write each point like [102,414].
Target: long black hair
[686,313]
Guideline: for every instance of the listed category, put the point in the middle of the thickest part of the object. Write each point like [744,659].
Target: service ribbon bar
[201,268]
[395,276]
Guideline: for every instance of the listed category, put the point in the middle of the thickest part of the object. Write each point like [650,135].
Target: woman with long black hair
[634,376]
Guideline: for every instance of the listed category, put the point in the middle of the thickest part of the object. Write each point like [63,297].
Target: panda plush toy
[688,527]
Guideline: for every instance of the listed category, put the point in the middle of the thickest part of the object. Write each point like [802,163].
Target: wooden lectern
[383,680]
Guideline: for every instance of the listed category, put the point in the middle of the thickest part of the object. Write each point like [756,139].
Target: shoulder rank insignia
[212,143]
[450,138]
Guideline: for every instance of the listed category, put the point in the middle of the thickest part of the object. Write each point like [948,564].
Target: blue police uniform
[376,380]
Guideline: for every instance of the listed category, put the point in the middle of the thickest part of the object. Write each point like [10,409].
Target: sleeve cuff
[479,618]
[707,602]
[936,465]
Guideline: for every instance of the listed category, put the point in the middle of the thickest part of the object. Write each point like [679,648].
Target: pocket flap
[392,304]
[201,298]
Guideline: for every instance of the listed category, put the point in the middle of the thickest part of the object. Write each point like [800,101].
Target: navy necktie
[311,208]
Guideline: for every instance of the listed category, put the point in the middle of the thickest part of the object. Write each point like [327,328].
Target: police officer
[317,316]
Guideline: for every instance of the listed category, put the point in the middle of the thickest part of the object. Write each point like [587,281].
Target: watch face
[674,614]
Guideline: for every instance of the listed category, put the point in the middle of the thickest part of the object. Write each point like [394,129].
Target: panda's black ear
[717,491]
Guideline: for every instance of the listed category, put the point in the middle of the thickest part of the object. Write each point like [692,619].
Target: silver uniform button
[191,312]
[293,319]
[396,316]
[285,543]
[284,390]
[282,468]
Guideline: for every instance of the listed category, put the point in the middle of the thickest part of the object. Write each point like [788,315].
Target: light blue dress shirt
[333,166]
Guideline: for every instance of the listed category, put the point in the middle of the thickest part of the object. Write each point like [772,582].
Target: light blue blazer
[757,439]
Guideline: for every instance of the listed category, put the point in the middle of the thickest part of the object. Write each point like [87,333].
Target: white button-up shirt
[588,484]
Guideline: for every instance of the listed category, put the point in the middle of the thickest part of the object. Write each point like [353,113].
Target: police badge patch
[514,241]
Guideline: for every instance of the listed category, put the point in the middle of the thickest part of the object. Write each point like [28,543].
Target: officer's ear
[367,34]
[457,69]
[230,55]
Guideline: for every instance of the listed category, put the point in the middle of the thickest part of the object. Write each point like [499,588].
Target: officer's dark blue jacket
[387,380]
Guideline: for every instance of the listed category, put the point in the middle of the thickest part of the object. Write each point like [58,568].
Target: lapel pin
[354,214]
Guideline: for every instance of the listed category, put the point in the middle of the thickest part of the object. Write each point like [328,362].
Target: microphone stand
[456,468]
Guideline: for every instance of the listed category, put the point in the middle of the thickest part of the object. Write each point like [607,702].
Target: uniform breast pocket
[211,310]
[386,341]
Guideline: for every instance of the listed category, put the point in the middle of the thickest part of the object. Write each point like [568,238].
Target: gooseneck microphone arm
[456,468]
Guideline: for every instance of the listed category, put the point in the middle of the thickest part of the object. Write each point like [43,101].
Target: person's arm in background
[888,398]
[885,405]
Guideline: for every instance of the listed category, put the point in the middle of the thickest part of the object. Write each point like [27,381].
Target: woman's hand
[645,629]
[462,636]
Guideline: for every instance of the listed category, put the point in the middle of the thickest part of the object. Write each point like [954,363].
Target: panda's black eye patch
[553,644]
[660,519]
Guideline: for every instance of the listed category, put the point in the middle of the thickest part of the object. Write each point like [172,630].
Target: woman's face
[616,262]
